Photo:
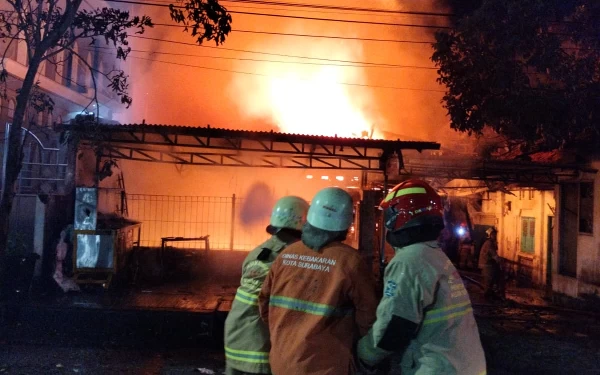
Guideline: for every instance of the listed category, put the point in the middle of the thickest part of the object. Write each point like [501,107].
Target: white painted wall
[524,203]
[588,253]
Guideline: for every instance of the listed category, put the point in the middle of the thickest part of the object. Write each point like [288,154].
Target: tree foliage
[204,19]
[48,30]
[530,70]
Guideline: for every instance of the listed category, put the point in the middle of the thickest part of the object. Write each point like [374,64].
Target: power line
[299,17]
[333,7]
[343,8]
[263,53]
[316,36]
[270,76]
[357,65]
[337,37]
[285,8]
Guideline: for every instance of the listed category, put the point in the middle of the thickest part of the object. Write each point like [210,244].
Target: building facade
[43,203]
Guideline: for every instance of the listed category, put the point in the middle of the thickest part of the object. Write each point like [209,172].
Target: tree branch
[51,5]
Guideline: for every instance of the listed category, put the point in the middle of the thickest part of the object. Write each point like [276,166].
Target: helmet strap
[426,228]
[288,235]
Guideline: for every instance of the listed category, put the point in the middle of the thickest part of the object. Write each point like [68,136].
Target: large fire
[306,96]
[316,104]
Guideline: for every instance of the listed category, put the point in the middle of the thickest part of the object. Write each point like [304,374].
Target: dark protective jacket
[488,255]
[425,310]
[317,304]
[246,335]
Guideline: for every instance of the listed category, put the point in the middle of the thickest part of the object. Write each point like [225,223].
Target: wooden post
[366,227]
[382,232]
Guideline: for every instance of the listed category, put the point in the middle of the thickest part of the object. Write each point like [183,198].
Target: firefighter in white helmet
[319,295]
[246,335]
[425,312]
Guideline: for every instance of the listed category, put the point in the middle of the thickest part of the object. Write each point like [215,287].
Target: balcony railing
[45,166]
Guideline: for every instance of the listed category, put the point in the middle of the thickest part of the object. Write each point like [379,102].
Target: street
[518,339]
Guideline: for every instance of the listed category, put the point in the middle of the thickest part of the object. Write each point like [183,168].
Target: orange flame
[311,96]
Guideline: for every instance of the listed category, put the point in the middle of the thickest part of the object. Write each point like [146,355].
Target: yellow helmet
[289,212]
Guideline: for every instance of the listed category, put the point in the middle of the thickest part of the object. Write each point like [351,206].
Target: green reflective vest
[247,342]
[421,285]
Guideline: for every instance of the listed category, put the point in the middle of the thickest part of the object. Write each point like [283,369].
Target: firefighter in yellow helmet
[246,335]
[319,296]
[425,312]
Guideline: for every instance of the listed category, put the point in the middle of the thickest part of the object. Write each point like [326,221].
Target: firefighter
[246,335]
[319,295]
[491,267]
[425,312]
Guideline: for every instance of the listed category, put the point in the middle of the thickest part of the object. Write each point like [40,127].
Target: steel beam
[247,159]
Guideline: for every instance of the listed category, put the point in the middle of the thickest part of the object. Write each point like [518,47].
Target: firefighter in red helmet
[425,312]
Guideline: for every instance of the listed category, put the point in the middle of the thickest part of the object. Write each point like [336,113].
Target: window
[528,235]
[586,207]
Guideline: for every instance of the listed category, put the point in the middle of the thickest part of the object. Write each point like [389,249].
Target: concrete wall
[587,280]
[509,210]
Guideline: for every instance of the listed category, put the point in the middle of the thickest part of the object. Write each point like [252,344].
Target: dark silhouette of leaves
[204,19]
[530,70]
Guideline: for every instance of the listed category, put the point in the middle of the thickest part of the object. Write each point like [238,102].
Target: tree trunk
[14,157]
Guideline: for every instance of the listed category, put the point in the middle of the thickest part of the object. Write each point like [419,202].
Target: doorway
[549,249]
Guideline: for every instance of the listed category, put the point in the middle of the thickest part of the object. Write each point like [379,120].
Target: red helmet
[409,200]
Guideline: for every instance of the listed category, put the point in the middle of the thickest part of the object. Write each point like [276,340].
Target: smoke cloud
[190,85]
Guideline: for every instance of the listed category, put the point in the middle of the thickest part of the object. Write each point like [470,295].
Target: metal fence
[192,217]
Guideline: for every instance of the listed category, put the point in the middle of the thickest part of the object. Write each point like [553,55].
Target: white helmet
[331,209]
[289,212]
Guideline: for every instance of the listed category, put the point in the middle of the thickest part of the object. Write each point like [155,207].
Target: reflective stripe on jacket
[317,303]
[423,287]
[246,335]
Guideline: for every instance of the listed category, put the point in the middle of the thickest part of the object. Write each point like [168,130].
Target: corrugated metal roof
[209,131]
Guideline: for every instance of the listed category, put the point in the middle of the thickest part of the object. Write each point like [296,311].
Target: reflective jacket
[246,335]
[317,303]
[422,286]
